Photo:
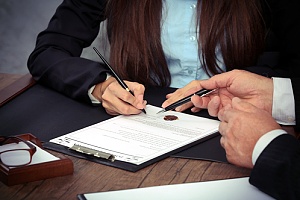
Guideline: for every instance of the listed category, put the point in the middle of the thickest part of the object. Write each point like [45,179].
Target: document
[229,189]
[139,138]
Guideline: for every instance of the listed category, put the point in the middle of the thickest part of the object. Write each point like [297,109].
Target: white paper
[139,138]
[230,189]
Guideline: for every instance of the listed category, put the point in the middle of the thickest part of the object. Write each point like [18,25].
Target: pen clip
[93,152]
[207,93]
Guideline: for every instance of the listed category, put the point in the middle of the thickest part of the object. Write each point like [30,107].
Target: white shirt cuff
[263,142]
[92,98]
[283,110]
[90,91]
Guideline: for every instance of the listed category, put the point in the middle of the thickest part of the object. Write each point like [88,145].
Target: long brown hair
[134,27]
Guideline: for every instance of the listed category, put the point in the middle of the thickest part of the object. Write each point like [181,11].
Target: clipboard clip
[93,152]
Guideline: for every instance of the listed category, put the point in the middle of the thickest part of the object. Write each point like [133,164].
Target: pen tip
[161,111]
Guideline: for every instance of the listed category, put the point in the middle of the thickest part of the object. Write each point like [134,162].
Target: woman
[149,46]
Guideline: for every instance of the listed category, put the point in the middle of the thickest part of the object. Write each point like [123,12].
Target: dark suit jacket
[277,170]
[55,60]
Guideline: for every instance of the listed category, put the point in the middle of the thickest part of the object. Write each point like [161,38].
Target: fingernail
[236,99]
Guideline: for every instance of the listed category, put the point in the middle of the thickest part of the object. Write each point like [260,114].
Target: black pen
[120,81]
[201,93]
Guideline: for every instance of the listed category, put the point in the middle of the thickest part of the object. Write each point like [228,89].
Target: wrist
[101,87]
[267,95]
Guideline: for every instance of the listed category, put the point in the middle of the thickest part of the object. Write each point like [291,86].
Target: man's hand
[250,87]
[242,124]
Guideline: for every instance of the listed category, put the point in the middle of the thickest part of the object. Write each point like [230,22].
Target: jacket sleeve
[56,60]
[296,91]
[277,170]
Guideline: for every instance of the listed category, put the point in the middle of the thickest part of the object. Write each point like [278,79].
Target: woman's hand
[190,88]
[116,100]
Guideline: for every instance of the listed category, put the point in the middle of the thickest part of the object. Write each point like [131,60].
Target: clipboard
[78,115]
[120,164]
[210,150]
[136,141]
[29,173]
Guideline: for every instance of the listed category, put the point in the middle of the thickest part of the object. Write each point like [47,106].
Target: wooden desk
[93,177]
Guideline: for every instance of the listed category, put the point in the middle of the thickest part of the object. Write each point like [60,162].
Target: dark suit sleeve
[56,60]
[277,170]
[296,91]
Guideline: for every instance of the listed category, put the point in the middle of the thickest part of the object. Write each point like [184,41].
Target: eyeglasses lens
[15,157]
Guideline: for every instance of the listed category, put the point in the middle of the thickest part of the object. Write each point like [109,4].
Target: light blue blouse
[180,42]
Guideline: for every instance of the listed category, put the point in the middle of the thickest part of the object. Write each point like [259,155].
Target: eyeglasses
[19,156]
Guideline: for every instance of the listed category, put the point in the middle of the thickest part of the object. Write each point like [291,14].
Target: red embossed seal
[170,117]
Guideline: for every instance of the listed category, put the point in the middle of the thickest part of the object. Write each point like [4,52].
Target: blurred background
[20,22]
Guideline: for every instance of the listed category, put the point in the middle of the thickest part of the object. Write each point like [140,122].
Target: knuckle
[124,110]
[126,97]
[140,87]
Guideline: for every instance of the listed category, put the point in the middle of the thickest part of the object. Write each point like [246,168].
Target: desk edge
[16,88]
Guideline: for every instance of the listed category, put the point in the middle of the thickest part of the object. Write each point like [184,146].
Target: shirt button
[193,6]
[290,119]
[190,71]
[192,38]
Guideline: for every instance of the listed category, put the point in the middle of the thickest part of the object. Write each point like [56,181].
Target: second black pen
[202,93]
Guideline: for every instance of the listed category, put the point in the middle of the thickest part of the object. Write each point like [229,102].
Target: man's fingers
[184,107]
[224,113]
[241,105]
[223,128]
[222,142]
[214,106]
